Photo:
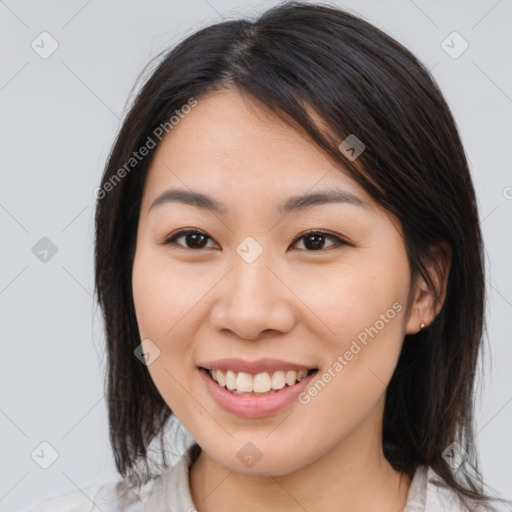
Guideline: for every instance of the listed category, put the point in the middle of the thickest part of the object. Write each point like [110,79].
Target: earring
[422,326]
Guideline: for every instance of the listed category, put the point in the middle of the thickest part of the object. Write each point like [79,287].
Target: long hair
[293,59]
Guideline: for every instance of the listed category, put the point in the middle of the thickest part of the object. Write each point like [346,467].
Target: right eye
[194,237]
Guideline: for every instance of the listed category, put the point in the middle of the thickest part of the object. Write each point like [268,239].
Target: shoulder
[72,501]
[429,493]
[440,496]
[169,490]
[104,497]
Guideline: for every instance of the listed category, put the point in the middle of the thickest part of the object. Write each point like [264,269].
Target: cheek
[361,308]
[347,303]
[364,314]
[164,301]
[162,295]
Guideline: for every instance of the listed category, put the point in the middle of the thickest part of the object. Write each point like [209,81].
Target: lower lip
[254,406]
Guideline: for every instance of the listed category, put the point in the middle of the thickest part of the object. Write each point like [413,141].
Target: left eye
[313,240]
[316,240]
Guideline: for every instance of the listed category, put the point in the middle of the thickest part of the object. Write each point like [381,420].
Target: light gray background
[59,116]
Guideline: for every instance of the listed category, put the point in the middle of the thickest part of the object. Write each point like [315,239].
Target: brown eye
[315,240]
[194,239]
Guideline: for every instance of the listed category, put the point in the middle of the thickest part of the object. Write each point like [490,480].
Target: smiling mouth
[261,384]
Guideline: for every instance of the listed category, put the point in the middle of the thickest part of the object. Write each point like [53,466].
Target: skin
[291,303]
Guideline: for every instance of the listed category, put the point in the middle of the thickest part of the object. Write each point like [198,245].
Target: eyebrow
[292,204]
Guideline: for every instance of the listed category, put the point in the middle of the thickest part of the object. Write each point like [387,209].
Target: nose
[252,301]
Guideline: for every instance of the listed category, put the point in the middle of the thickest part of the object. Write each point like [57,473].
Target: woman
[289,262]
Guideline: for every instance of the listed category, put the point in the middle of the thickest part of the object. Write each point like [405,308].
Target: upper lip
[253,367]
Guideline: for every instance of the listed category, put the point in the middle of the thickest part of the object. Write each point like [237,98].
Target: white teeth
[290,377]
[230,379]
[278,380]
[261,383]
[221,378]
[242,382]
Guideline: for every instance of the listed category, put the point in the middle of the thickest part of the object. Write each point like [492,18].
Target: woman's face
[259,296]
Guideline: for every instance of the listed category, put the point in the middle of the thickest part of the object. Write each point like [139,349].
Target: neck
[351,477]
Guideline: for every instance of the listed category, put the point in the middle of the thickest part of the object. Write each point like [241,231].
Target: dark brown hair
[360,81]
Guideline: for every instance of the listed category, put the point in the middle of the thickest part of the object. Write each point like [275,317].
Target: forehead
[230,147]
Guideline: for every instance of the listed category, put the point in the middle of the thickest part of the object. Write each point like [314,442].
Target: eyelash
[172,239]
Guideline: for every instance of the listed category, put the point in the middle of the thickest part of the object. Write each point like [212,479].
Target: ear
[426,306]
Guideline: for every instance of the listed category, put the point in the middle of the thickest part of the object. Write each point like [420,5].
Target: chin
[259,458]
